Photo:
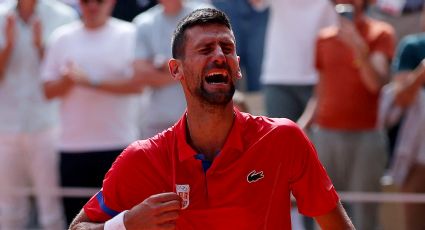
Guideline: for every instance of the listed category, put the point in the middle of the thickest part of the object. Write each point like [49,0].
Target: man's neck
[25,13]
[208,130]
[95,25]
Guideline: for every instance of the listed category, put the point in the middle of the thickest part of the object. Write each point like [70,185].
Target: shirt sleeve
[309,182]
[405,59]
[52,64]
[385,42]
[318,52]
[133,177]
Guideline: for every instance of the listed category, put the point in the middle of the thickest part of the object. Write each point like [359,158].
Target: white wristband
[116,223]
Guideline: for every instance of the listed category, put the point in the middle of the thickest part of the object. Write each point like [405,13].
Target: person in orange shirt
[353,63]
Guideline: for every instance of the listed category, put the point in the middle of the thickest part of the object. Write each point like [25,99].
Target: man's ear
[175,68]
[239,74]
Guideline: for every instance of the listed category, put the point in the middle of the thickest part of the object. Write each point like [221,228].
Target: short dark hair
[200,17]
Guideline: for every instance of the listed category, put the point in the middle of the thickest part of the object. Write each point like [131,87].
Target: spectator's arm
[373,66]
[58,88]
[154,76]
[307,117]
[4,58]
[408,84]
[73,75]
[37,36]
[374,69]
[122,86]
[6,50]
[335,219]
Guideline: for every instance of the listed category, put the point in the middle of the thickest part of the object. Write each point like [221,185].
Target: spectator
[405,96]
[154,30]
[288,74]
[180,179]
[128,9]
[29,129]
[353,61]
[72,3]
[250,38]
[88,66]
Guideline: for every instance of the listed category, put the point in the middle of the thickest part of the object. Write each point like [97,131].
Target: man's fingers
[168,217]
[167,226]
[173,205]
[164,197]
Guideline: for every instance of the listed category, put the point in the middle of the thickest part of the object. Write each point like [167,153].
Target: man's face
[96,12]
[27,5]
[210,65]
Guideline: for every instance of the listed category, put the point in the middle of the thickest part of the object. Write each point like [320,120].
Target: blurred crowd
[82,79]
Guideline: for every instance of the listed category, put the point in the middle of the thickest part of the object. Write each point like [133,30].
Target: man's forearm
[57,88]
[155,77]
[408,85]
[373,70]
[127,86]
[82,222]
[87,226]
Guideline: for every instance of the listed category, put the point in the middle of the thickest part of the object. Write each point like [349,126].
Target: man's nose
[219,56]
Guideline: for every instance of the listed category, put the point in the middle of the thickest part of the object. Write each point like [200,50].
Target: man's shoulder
[379,26]
[60,9]
[264,124]
[148,17]
[417,40]
[67,30]
[122,25]
[327,33]
[158,142]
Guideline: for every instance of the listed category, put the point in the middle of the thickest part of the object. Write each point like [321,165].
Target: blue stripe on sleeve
[103,206]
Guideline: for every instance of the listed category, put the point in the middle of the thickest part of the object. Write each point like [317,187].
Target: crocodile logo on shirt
[254,176]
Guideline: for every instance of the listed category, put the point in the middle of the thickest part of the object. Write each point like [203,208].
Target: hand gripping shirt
[248,185]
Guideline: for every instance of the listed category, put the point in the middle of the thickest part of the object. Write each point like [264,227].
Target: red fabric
[223,196]
[344,102]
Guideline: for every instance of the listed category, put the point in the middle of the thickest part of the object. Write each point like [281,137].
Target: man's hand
[159,211]
[421,71]
[75,75]
[350,36]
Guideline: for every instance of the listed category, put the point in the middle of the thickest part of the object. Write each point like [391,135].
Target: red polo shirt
[248,185]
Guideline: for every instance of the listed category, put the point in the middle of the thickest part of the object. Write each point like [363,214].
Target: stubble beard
[221,98]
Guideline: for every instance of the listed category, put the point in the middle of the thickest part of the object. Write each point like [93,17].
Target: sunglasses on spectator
[96,1]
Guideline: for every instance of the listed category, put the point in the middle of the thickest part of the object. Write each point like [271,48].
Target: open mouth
[217,77]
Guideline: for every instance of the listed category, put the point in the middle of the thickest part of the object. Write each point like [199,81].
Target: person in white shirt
[288,73]
[28,122]
[163,102]
[88,67]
